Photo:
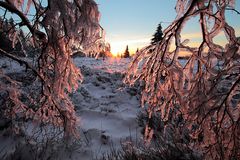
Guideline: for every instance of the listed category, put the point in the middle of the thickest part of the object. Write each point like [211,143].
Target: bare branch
[24,19]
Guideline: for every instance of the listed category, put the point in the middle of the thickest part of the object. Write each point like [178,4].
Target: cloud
[195,35]
[198,35]
[119,43]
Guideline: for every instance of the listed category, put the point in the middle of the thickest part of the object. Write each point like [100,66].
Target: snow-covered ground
[109,65]
[108,110]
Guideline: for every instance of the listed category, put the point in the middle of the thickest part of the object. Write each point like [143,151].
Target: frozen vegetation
[110,115]
[55,107]
[107,109]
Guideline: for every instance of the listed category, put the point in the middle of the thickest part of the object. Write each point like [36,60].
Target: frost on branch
[56,29]
[204,89]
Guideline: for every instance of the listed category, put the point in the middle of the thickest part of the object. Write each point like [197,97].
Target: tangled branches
[55,29]
[203,89]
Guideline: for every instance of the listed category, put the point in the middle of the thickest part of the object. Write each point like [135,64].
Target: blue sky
[133,22]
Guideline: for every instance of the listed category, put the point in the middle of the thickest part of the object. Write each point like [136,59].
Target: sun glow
[118,46]
[116,50]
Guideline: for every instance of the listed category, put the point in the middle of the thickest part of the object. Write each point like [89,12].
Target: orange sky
[118,47]
[133,22]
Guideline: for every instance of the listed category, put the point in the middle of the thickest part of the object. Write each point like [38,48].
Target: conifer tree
[126,54]
[158,36]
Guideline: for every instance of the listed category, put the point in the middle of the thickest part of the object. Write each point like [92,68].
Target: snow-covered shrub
[159,151]
[196,90]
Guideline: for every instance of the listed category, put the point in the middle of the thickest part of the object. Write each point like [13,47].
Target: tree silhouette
[137,50]
[158,36]
[126,54]
[9,33]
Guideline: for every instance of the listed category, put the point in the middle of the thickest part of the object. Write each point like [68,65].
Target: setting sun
[116,49]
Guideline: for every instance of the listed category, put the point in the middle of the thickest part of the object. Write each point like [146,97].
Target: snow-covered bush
[198,94]
[159,151]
